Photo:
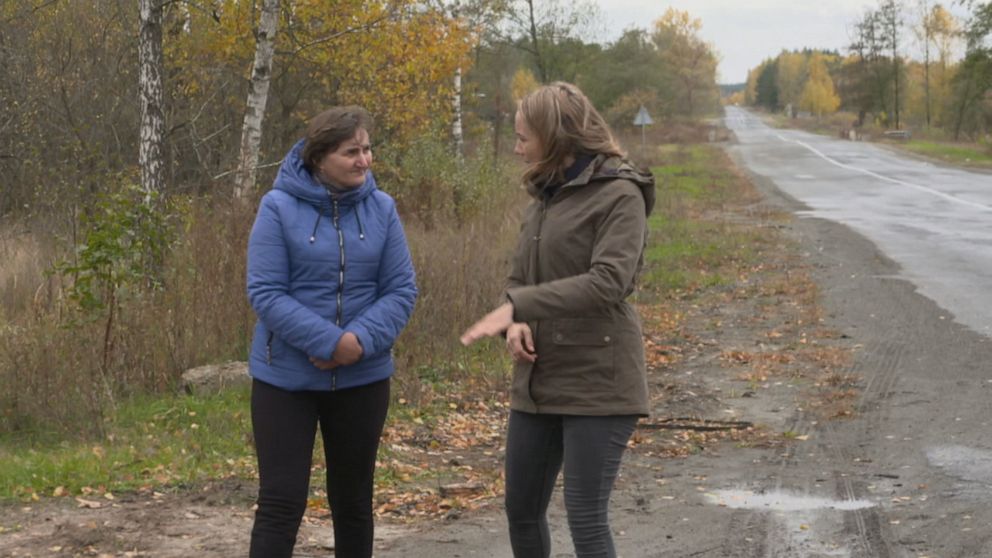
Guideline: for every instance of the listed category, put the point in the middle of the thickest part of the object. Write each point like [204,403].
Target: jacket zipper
[537,277]
[340,296]
[537,242]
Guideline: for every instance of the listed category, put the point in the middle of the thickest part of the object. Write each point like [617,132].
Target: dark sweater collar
[571,173]
[575,169]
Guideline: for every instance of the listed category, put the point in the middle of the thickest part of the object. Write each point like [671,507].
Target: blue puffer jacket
[320,266]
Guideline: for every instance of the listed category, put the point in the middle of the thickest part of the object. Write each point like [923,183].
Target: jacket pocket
[575,369]
[590,332]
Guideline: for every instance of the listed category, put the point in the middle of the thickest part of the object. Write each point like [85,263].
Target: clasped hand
[519,339]
[348,351]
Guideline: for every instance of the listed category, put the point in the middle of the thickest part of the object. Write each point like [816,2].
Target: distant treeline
[877,79]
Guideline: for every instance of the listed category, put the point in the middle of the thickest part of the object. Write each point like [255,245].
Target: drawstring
[313,235]
[361,230]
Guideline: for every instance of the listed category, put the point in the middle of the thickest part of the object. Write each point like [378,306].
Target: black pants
[537,447]
[285,425]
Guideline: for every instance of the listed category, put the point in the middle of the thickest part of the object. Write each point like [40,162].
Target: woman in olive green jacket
[579,381]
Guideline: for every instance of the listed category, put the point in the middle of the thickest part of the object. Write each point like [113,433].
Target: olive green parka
[576,262]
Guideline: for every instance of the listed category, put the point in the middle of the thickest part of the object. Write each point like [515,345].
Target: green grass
[149,443]
[953,153]
[688,250]
[157,443]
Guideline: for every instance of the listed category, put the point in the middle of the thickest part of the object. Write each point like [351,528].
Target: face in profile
[346,166]
[528,146]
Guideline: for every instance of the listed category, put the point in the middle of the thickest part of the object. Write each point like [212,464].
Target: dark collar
[571,173]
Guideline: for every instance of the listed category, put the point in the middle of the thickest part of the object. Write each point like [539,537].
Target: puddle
[779,501]
[969,464]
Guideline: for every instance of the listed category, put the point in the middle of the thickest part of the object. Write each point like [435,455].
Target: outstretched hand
[493,323]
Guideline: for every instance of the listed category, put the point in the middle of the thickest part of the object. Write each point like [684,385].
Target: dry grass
[52,361]
[26,255]
[69,370]
[460,275]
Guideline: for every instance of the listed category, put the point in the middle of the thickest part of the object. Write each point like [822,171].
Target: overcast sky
[745,32]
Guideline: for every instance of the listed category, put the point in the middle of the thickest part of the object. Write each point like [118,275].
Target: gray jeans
[590,449]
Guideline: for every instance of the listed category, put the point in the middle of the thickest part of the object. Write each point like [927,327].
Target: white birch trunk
[456,126]
[258,94]
[152,132]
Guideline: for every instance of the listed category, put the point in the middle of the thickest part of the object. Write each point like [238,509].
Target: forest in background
[909,65]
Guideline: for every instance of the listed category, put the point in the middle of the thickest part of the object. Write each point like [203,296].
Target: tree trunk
[963,107]
[498,121]
[541,69]
[927,28]
[895,62]
[926,79]
[456,125]
[151,149]
[258,94]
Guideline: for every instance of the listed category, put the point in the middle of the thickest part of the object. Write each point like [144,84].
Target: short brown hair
[330,129]
[566,123]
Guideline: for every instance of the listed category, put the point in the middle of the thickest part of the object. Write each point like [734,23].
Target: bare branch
[31,11]
[365,27]
[257,167]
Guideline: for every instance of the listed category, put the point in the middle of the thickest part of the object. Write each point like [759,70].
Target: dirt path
[868,400]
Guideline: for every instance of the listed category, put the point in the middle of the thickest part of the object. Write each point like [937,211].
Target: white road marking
[924,189]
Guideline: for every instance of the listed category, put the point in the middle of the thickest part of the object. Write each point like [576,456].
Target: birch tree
[456,108]
[258,95]
[481,18]
[151,149]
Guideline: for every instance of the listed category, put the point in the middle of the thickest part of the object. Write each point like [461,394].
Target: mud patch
[968,464]
[781,501]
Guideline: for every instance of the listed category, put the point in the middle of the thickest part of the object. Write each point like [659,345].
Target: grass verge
[960,154]
[150,443]
[689,249]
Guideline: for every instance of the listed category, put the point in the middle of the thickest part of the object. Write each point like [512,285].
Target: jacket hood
[607,168]
[294,179]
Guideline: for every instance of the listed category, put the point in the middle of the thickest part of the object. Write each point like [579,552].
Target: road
[933,221]
[920,451]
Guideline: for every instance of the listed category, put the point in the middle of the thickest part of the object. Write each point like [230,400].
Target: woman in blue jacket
[332,283]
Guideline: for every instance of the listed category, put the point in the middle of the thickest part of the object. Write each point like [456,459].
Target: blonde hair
[565,123]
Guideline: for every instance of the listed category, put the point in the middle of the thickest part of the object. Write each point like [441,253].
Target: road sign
[643,118]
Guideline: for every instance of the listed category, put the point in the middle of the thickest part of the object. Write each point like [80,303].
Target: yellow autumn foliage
[397,58]
[523,83]
[818,95]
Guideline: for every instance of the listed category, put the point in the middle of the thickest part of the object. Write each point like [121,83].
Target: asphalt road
[934,221]
[903,252]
